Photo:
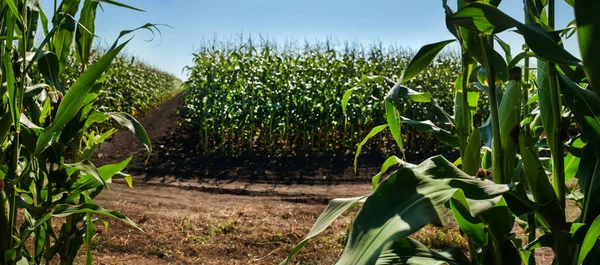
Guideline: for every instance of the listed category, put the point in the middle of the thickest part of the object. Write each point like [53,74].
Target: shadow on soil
[175,155]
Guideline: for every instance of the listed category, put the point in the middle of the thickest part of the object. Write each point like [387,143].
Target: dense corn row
[246,98]
[130,85]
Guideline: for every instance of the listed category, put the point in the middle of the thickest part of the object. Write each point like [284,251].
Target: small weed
[278,239]
[101,244]
[226,228]
[199,239]
[157,251]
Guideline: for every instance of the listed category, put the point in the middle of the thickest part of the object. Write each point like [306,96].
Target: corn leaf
[48,66]
[488,19]
[85,32]
[588,27]
[410,251]
[373,132]
[75,98]
[423,58]
[134,126]
[333,210]
[408,200]
[591,237]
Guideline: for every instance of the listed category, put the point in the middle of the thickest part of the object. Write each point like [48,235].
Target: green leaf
[63,38]
[510,117]
[48,65]
[25,121]
[406,201]
[394,122]
[409,251]
[89,181]
[473,154]
[85,32]
[119,4]
[443,117]
[535,175]
[399,91]
[589,180]
[572,161]
[86,167]
[484,18]
[428,127]
[8,72]
[585,105]
[517,59]
[591,237]
[134,126]
[65,210]
[15,11]
[588,27]
[423,58]
[75,98]
[545,101]
[489,20]
[391,161]
[5,123]
[128,178]
[373,132]
[333,210]
[148,26]
[346,98]
[32,91]
[505,48]
[545,46]
[473,227]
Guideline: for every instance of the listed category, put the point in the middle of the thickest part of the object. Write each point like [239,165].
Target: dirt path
[203,212]
[195,225]
[213,210]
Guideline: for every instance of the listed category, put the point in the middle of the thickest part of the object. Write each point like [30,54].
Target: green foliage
[245,97]
[129,85]
[526,116]
[51,122]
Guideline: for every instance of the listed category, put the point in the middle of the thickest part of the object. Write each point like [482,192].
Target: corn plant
[47,132]
[130,85]
[551,108]
[247,97]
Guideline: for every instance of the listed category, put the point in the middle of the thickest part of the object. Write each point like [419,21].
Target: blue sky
[405,23]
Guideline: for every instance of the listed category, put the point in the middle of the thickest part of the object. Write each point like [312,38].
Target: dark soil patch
[176,154]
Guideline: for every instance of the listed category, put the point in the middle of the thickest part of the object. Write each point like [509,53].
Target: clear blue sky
[405,23]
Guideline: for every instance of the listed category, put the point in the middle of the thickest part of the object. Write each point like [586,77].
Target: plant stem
[466,127]
[526,86]
[497,155]
[556,147]
[12,188]
[561,238]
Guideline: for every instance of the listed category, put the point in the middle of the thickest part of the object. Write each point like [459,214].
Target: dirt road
[197,214]
[198,209]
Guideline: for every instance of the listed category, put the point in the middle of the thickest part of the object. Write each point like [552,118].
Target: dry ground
[242,215]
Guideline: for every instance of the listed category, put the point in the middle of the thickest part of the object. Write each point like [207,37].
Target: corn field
[247,97]
[130,85]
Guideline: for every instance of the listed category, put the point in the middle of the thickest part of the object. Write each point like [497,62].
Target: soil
[176,154]
[197,209]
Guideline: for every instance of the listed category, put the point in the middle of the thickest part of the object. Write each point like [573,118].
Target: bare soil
[198,209]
